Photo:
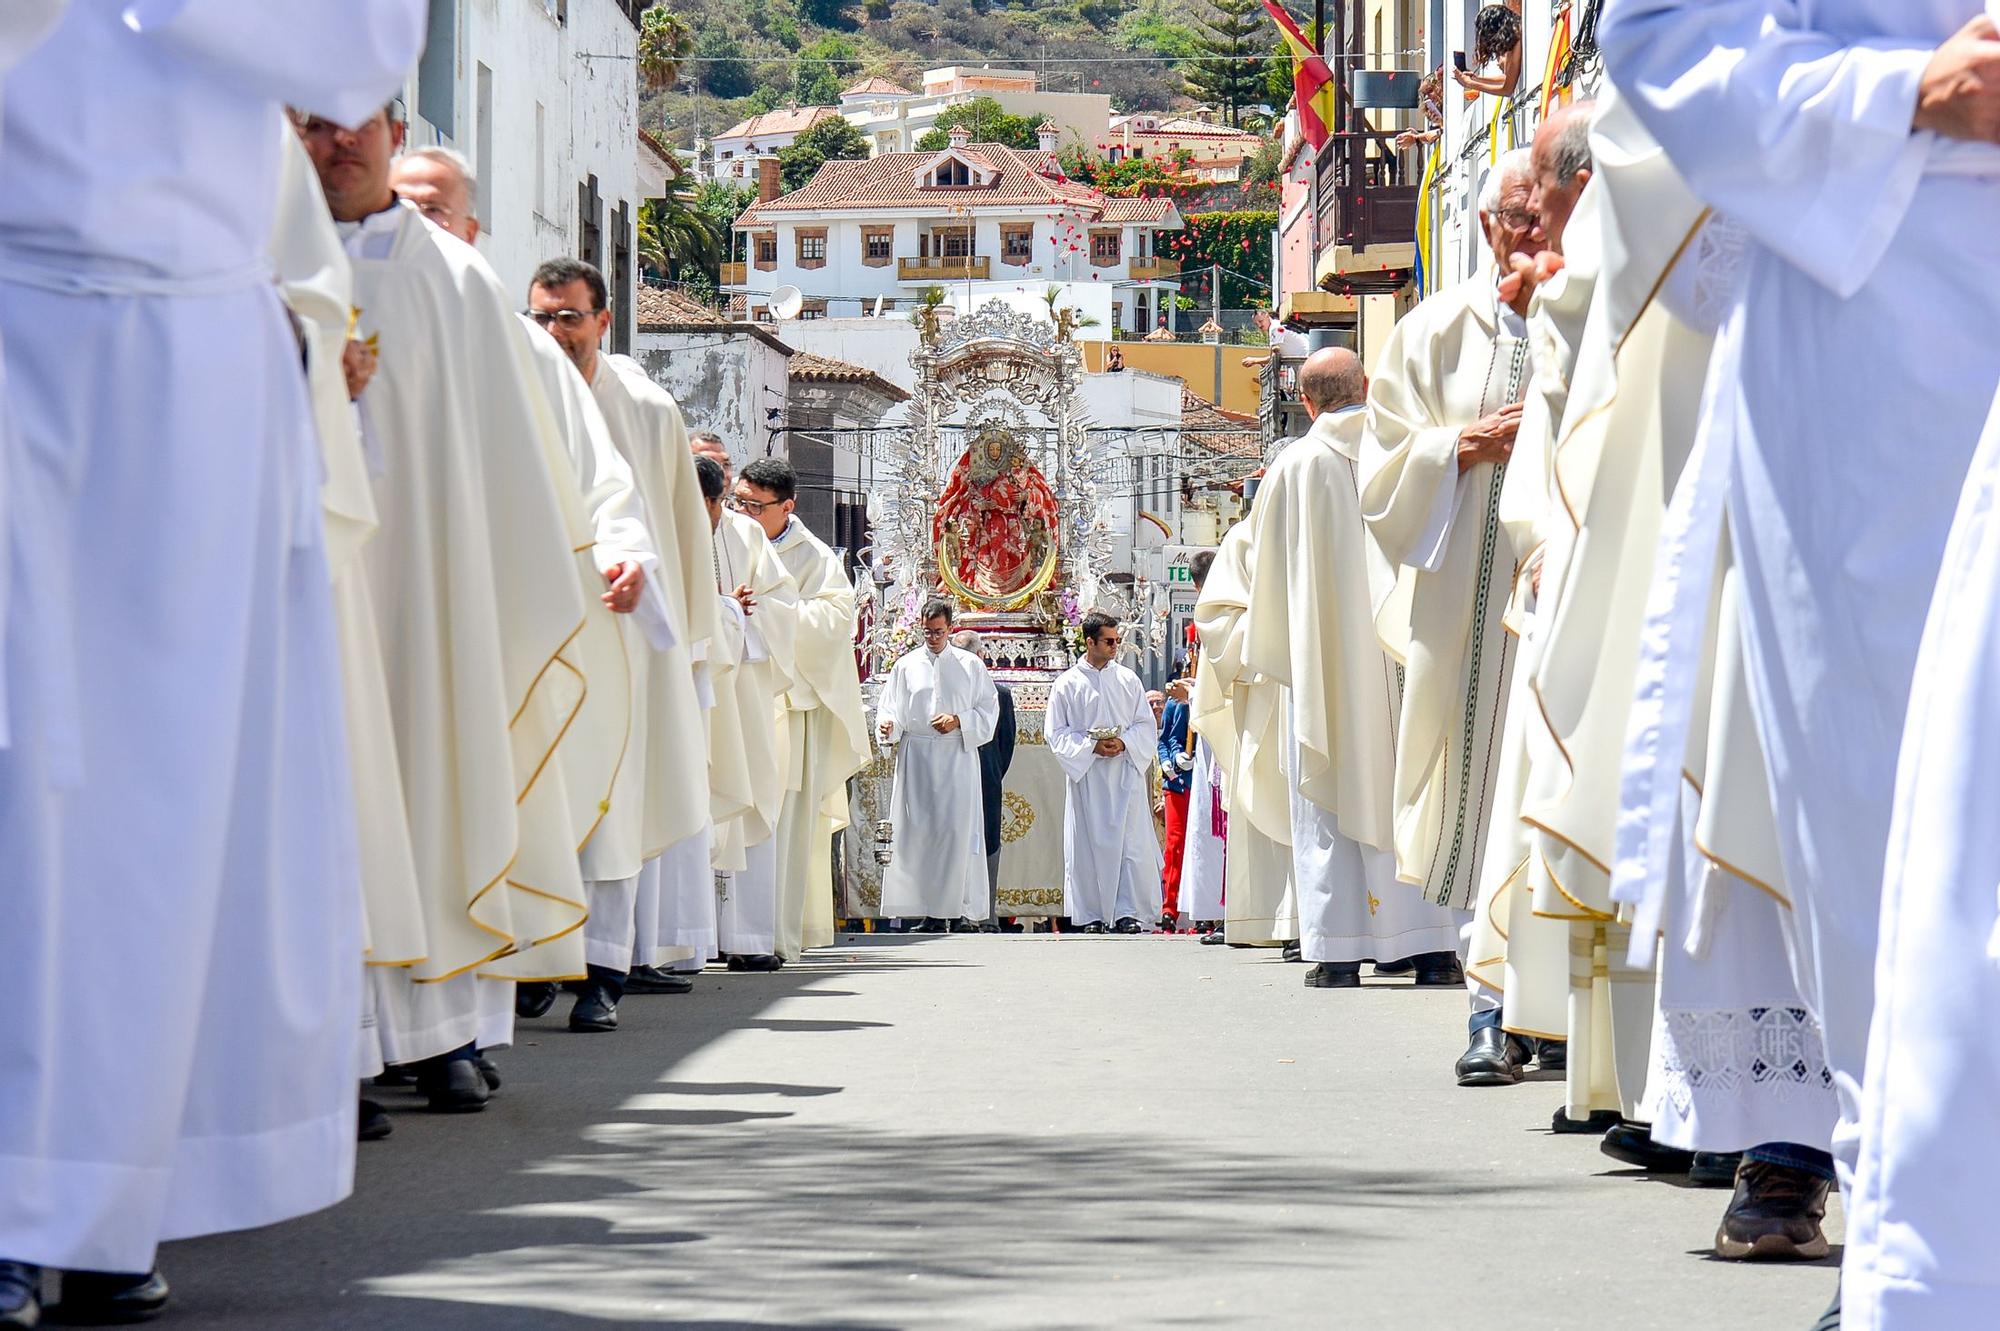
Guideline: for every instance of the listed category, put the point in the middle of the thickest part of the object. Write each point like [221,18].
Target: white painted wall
[724,380]
[883,345]
[582,75]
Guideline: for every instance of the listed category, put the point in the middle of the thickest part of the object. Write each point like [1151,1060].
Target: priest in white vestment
[1310,628]
[1868,210]
[1102,731]
[748,747]
[570,300]
[477,602]
[936,710]
[176,742]
[1443,413]
[826,730]
[1241,716]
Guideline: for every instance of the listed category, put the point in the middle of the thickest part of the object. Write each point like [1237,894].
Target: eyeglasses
[751,507]
[567,318]
[935,634]
[1520,219]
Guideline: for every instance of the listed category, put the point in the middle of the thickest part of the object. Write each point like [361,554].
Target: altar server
[749,754]
[1310,630]
[569,299]
[825,727]
[1443,413]
[938,707]
[171,683]
[1102,732]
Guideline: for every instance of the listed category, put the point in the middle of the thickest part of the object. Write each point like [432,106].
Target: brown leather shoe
[1774,1216]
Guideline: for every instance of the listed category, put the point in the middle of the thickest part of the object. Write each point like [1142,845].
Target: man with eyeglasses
[938,707]
[825,726]
[568,298]
[1443,412]
[1101,730]
[477,601]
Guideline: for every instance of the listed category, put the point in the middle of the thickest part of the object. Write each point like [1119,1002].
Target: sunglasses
[567,318]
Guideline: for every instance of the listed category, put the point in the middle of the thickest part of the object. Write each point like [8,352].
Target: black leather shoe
[1394,968]
[1552,1055]
[653,980]
[374,1123]
[596,1010]
[1493,1058]
[1168,924]
[98,1298]
[761,962]
[1010,926]
[1292,952]
[1775,1215]
[20,1295]
[1438,970]
[1594,1124]
[533,1000]
[1334,975]
[452,1085]
[1214,938]
[1127,925]
[1632,1144]
[1096,928]
[1714,1169]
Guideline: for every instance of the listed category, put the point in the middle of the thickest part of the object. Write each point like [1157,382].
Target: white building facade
[975,219]
[542,97]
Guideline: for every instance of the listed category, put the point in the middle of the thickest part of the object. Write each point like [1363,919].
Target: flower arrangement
[906,630]
[1068,622]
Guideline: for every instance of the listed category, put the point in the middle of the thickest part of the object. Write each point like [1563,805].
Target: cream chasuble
[1241,716]
[748,759]
[938,869]
[647,428]
[1310,628]
[318,288]
[475,591]
[1448,363]
[827,740]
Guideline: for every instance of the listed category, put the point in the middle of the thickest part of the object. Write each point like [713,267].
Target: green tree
[989,123]
[1151,30]
[676,238]
[724,70]
[877,9]
[1229,72]
[824,67]
[826,13]
[664,42]
[722,202]
[831,140]
[1262,168]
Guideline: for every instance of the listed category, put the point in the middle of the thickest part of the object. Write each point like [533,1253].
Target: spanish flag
[1312,81]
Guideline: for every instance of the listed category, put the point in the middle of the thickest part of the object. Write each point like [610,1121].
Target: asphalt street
[1011,1131]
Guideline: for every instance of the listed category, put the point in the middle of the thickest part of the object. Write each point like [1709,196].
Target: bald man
[1311,628]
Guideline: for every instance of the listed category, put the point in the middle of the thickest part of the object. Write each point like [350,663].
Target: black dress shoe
[1214,938]
[1594,1124]
[1292,951]
[1715,1169]
[20,1295]
[1127,925]
[98,1298]
[487,1072]
[1493,1058]
[1552,1055]
[760,962]
[1632,1144]
[653,980]
[1167,922]
[1437,970]
[596,1010]
[1096,928]
[374,1123]
[452,1085]
[533,1000]
[1392,968]
[1334,975]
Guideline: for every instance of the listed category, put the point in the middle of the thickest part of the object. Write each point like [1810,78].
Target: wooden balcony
[976,268]
[733,274]
[1152,267]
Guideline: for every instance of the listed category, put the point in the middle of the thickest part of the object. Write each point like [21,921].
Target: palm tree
[674,235]
[665,41]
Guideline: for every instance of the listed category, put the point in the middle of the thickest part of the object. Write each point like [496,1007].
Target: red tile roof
[1137,210]
[790,120]
[877,86]
[813,368]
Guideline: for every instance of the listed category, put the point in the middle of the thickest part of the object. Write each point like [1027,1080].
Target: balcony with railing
[945,268]
[1153,267]
[735,274]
